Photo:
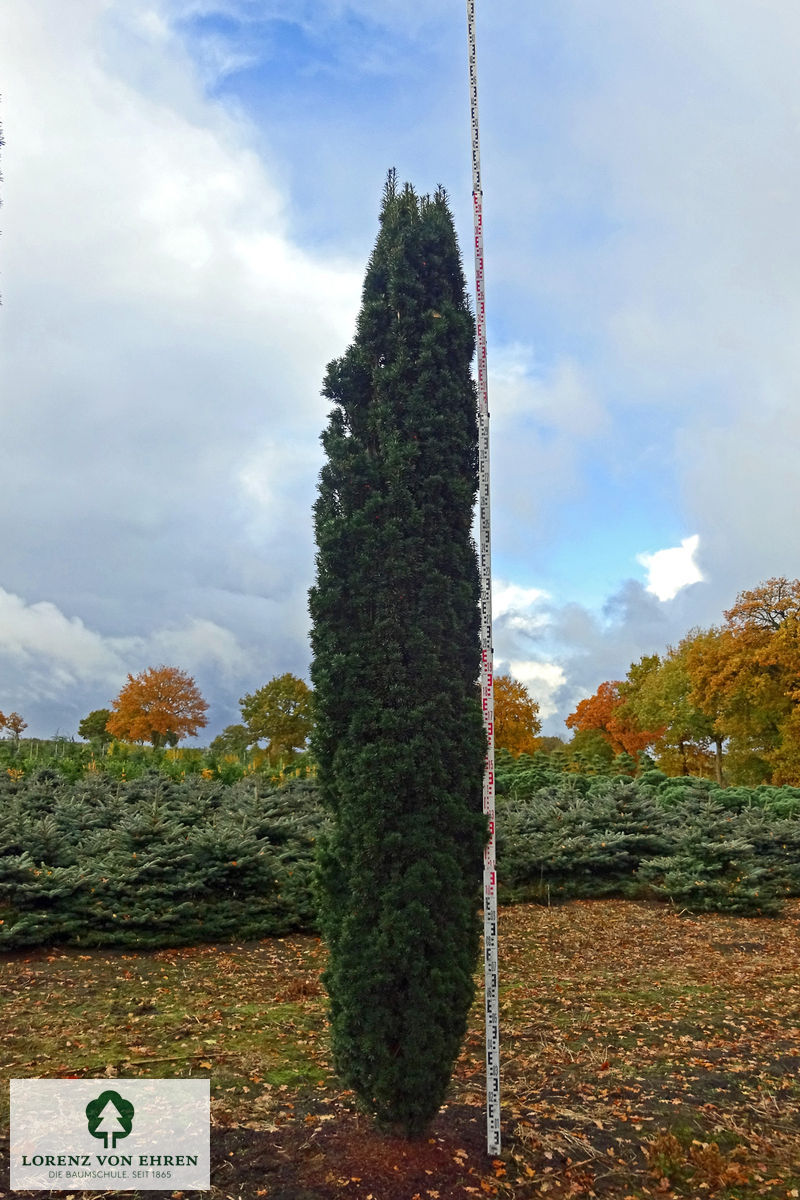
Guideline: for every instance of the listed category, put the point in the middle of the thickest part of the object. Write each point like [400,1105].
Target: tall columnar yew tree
[399,737]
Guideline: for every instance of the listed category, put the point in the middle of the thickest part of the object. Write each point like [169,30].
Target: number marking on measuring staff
[487,651]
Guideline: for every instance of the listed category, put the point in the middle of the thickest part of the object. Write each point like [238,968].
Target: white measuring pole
[487,652]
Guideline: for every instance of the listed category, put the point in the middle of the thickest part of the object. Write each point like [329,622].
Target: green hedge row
[153,862]
[526,775]
[589,837]
[158,862]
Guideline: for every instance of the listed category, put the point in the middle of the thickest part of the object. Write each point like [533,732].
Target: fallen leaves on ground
[646,1053]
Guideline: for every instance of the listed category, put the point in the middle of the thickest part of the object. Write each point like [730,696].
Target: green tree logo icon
[109,1116]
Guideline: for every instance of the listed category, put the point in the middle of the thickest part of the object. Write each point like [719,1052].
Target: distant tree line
[724,702]
[153,712]
[162,705]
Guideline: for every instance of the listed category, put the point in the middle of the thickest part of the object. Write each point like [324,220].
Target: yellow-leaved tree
[280,713]
[516,716]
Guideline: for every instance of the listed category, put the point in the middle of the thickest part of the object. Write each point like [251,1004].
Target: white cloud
[546,421]
[199,643]
[559,397]
[521,618]
[510,598]
[39,637]
[672,569]
[160,325]
[543,681]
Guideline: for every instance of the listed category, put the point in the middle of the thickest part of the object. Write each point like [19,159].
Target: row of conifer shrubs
[685,841]
[156,862]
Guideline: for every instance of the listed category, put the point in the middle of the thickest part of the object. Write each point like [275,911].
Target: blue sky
[190,197]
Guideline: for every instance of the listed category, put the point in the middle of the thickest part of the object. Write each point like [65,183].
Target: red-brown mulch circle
[326,1158]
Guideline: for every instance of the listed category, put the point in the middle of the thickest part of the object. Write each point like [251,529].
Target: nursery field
[645,1053]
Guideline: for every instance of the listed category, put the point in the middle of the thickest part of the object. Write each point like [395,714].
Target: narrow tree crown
[395,636]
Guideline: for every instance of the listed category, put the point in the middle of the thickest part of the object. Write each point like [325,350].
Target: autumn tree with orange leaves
[606,711]
[14,723]
[160,705]
[516,716]
[725,700]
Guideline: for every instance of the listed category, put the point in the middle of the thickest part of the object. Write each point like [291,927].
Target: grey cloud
[159,328]
[589,647]
[164,334]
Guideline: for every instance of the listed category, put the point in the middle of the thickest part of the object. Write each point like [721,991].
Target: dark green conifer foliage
[399,736]
[153,862]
